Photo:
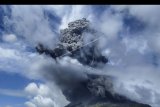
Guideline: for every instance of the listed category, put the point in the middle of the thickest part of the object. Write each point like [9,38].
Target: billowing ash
[81,88]
[72,43]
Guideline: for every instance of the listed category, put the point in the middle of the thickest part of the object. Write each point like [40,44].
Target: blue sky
[13,82]
[131,43]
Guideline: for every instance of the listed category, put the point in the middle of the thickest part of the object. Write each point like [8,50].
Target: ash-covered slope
[98,92]
[95,90]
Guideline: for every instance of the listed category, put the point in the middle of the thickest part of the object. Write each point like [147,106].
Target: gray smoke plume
[71,41]
[82,86]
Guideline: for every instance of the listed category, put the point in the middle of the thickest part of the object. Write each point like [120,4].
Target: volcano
[97,90]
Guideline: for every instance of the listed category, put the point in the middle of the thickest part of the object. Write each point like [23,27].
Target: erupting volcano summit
[96,90]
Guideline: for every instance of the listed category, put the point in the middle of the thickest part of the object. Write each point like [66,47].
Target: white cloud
[147,13]
[30,104]
[43,96]
[25,63]
[136,44]
[131,56]
[9,38]
[32,88]
[110,24]
[8,53]
[59,9]
[138,81]
[68,60]
[73,13]
[40,101]
[155,42]
[16,93]
[31,23]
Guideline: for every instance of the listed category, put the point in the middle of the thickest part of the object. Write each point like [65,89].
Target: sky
[131,41]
